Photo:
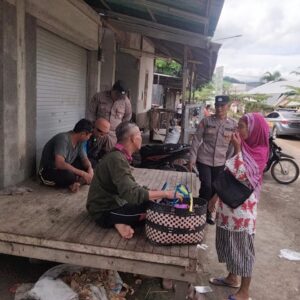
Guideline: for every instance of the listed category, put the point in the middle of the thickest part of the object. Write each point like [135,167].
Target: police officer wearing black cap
[114,106]
[211,147]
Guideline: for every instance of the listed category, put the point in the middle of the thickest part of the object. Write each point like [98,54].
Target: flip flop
[231,297]
[220,281]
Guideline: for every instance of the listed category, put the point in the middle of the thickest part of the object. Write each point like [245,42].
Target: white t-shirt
[179,108]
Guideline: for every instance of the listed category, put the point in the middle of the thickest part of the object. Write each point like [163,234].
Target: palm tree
[268,76]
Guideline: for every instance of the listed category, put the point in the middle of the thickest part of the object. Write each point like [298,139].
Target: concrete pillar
[17,93]
[108,64]
[1,94]
[92,75]
[127,69]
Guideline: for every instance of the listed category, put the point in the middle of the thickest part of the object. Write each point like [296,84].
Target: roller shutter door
[61,86]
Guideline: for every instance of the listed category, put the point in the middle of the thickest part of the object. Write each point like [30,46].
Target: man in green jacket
[115,199]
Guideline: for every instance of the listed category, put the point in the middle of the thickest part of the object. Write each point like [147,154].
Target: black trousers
[60,178]
[129,214]
[207,175]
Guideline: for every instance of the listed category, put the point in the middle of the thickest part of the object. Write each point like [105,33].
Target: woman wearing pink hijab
[236,227]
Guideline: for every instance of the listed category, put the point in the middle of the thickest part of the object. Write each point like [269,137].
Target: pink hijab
[255,148]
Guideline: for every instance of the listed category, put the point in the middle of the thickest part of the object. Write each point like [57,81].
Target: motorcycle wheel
[285,171]
[180,168]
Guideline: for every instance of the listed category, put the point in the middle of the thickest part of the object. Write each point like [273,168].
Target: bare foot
[74,188]
[125,231]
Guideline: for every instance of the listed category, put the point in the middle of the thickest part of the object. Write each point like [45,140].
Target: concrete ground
[274,278]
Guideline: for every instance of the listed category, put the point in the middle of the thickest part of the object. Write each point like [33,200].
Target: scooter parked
[164,157]
[283,167]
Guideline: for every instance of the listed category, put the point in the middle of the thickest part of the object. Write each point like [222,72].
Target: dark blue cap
[222,99]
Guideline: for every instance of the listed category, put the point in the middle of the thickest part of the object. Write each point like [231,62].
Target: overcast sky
[270,38]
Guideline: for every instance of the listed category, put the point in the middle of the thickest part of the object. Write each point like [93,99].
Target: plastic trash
[202,246]
[69,282]
[173,135]
[49,289]
[203,289]
[289,254]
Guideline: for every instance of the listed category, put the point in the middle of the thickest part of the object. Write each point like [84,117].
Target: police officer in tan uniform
[114,106]
[211,147]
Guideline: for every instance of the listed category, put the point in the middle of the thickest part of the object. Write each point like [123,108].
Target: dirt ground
[274,278]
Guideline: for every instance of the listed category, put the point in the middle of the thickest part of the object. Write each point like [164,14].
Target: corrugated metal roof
[170,25]
[275,87]
[274,100]
[198,16]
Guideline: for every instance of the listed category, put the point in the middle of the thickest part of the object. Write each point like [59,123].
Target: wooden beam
[119,33]
[21,82]
[172,11]
[140,53]
[206,26]
[185,39]
[151,15]
[149,24]
[105,5]
[184,73]
[174,272]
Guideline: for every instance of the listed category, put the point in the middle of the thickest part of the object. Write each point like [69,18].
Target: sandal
[232,297]
[220,281]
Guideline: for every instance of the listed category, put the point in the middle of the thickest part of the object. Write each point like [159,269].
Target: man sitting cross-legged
[64,162]
[115,199]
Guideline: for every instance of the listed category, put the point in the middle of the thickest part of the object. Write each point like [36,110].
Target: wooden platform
[53,224]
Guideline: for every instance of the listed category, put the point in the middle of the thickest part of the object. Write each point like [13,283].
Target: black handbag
[231,191]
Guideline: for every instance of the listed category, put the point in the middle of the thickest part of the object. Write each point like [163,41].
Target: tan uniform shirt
[211,142]
[102,106]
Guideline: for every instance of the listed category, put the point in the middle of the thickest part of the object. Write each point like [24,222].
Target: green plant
[166,67]
[205,92]
[269,76]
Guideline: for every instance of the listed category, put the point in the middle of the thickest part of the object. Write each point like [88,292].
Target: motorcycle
[283,167]
[171,157]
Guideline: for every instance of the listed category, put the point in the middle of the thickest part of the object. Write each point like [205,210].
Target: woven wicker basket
[167,225]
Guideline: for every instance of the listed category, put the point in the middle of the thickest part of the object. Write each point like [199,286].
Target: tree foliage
[166,67]
[296,72]
[269,76]
[231,79]
[205,92]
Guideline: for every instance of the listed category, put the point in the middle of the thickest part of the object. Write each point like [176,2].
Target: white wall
[146,67]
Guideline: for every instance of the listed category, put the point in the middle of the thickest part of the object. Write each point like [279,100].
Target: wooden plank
[90,249]
[66,231]
[95,236]
[37,215]
[193,251]
[74,210]
[184,251]
[115,240]
[130,245]
[88,231]
[74,230]
[141,242]
[175,251]
[78,231]
[110,236]
[122,244]
[99,261]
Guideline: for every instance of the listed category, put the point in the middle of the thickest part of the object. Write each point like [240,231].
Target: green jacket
[113,186]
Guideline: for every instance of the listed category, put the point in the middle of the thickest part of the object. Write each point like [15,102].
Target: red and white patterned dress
[236,227]
[242,218]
